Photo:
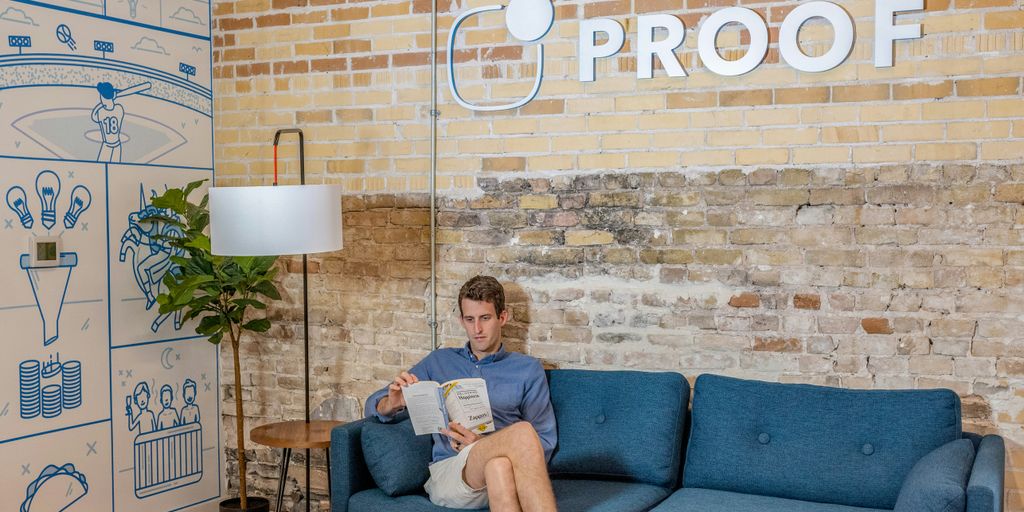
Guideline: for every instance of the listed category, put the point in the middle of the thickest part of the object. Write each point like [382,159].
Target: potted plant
[217,290]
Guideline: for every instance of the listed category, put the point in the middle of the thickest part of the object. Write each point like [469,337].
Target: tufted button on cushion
[764,438]
[867,449]
[599,419]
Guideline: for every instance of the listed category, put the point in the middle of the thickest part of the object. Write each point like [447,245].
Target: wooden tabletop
[295,434]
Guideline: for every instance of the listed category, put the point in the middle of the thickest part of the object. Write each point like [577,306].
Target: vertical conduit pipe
[433,174]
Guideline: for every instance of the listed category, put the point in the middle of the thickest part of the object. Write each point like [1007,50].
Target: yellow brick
[980,130]
[1003,150]
[588,237]
[790,136]
[912,132]
[1006,108]
[512,125]
[626,141]
[814,115]
[652,159]
[948,151]
[994,65]
[575,142]
[717,118]
[611,123]
[664,120]
[709,158]
[762,156]
[561,124]
[778,116]
[550,163]
[527,144]
[949,67]
[883,153]
[844,134]
[821,155]
[588,105]
[603,161]
[538,202]
[934,23]
[634,103]
[891,112]
[953,110]
[687,139]
[734,138]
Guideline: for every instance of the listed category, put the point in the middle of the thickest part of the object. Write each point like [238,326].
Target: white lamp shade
[274,221]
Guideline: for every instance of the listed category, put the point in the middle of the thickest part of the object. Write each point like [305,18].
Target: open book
[432,405]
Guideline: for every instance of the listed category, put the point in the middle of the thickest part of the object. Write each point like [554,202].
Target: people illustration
[144,420]
[110,116]
[151,256]
[168,415]
[190,411]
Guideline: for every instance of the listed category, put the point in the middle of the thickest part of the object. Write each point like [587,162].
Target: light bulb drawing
[81,199]
[527,21]
[48,189]
[17,201]
[133,7]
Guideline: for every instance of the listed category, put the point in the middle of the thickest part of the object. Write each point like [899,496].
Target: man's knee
[524,436]
[498,469]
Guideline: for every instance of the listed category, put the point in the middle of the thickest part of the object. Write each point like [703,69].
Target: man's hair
[486,289]
[106,90]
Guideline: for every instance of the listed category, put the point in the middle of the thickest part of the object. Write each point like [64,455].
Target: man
[507,469]
[190,411]
[109,116]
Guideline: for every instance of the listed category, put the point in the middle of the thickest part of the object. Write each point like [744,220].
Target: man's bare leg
[519,444]
[501,485]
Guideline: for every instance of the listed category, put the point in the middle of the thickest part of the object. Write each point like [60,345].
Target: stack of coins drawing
[71,381]
[29,387]
[51,393]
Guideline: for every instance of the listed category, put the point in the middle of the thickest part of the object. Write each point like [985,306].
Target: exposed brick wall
[858,228]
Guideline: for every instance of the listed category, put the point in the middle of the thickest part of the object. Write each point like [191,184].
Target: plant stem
[239,419]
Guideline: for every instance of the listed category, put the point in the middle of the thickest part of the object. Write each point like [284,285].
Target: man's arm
[538,411]
[381,406]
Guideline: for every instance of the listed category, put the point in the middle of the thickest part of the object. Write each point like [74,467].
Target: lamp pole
[305,284]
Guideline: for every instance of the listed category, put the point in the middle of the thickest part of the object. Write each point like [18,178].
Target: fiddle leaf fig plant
[220,291]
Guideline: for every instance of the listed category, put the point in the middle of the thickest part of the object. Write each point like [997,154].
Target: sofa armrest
[985,488]
[349,473]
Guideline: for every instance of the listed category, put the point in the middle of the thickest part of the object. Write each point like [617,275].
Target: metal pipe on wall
[433,174]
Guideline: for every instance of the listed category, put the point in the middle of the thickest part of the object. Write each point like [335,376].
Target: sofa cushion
[572,495]
[938,482]
[813,443]
[619,424]
[706,500]
[397,458]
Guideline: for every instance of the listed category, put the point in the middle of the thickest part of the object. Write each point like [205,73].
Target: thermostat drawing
[44,251]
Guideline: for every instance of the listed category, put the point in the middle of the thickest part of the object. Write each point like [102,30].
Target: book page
[426,407]
[468,403]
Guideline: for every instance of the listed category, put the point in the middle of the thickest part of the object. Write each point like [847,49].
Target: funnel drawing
[151,257]
[49,286]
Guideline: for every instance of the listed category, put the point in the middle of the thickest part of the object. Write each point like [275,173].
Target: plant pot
[254,505]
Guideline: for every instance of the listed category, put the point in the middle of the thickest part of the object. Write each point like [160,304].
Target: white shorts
[446,487]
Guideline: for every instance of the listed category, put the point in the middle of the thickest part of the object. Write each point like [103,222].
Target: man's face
[190,395]
[483,325]
[165,399]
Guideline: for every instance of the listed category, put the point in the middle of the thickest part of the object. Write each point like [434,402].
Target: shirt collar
[493,358]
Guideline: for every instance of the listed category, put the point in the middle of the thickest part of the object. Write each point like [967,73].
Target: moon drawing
[165,358]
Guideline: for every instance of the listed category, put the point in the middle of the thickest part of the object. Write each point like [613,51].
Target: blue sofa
[749,446]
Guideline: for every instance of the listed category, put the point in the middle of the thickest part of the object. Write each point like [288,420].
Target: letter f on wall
[527,21]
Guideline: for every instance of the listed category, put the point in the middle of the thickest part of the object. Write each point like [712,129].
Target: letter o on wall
[789,46]
[708,51]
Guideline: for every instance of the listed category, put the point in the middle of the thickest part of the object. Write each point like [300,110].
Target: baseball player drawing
[110,116]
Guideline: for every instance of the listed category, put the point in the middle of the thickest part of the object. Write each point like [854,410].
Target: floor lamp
[279,220]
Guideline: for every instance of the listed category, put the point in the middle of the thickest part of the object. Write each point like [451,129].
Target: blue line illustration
[49,286]
[55,489]
[104,47]
[17,201]
[205,37]
[17,16]
[148,44]
[81,199]
[19,42]
[64,36]
[168,449]
[110,116]
[48,190]
[49,388]
[151,258]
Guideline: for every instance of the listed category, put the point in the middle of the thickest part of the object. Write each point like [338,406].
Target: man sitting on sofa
[507,469]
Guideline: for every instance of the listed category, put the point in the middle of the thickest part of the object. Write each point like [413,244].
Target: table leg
[286,455]
[329,474]
[308,463]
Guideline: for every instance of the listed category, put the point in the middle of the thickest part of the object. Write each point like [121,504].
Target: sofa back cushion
[619,425]
[397,458]
[813,443]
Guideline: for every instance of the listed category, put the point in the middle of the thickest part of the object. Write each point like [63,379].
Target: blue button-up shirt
[516,387]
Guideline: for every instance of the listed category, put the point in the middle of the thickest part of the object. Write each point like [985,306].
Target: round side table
[289,435]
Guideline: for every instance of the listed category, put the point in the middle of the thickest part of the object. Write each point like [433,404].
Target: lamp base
[254,504]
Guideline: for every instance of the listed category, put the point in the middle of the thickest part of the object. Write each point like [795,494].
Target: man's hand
[460,437]
[395,401]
